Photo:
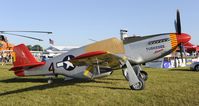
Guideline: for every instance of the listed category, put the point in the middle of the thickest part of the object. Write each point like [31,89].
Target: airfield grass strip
[164,87]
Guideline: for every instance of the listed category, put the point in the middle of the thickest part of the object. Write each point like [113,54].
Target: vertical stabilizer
[24,59]
[23,56]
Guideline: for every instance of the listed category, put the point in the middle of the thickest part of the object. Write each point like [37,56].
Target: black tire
[140,86]
[196,68]
[144,75]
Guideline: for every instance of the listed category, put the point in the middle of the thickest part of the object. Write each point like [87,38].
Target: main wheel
[144,75]
[139,85]
[196,68]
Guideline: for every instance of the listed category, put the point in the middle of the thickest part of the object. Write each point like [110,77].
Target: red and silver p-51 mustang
[101,58]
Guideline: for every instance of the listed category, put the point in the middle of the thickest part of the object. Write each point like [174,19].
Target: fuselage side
[61,65]
[139,51]
[150,48]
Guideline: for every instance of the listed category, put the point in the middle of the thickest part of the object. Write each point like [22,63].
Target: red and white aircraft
[103,57]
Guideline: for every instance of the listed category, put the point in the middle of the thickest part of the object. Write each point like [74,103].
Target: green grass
[164,87]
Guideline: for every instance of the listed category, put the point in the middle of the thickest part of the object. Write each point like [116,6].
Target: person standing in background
[0,57]
[4,55]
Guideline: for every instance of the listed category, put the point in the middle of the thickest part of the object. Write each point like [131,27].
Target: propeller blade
[175,24]
[185,55]
[178,22]
[181,51]
[23,36]
[28,32]
[175,63]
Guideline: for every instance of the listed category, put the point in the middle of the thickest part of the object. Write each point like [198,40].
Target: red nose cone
[183,38]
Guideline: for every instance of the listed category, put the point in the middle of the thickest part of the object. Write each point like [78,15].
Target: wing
[100,58]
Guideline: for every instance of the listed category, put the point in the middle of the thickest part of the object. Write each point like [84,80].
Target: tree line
[35,47]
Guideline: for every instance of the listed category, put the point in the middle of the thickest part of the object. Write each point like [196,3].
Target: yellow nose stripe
[174,41]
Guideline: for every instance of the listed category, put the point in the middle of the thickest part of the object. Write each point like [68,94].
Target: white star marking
[68,58]
[68,64]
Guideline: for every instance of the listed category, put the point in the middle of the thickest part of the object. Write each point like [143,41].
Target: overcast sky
[74,22]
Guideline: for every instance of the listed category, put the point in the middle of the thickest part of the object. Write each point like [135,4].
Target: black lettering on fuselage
[51,68]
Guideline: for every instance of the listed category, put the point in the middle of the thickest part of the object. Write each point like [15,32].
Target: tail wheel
[50,80]
[196,68]
[139,85]
[144,75]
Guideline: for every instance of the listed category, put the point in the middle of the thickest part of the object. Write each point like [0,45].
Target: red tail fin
[24,59]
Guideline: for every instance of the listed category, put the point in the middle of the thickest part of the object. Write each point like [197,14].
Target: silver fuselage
[137,50]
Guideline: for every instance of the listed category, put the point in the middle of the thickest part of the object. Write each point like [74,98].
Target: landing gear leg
[133,75]
[137,69]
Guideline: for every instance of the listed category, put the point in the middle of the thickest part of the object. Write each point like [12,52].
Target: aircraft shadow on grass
[112,79]
[4,68]
[22,80]
[176,69]
[56,83]
[107,87]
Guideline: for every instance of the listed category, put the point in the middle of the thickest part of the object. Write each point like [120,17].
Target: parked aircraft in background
[101,58]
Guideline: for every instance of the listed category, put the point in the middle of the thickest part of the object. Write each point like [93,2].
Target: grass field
[164,87]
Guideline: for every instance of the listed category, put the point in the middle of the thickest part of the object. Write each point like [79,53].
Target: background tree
[29,47]
[37,48]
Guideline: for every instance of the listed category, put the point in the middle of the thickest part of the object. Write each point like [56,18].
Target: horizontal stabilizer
[24,66]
